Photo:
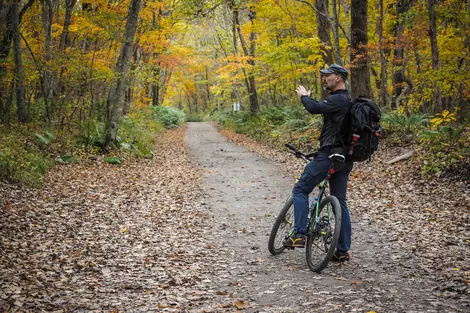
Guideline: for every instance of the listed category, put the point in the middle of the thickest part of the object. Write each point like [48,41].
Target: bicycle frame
[312,227]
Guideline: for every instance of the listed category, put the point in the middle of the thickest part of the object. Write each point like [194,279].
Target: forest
[81,77]
[143,165]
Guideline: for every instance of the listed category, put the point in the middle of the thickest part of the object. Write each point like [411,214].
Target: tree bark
[399,77]
[6,38]
[64,37]
[360,73]
[19,69]
[437,99]
[383,51]
[156,85]
[323,23]
[116,98]
[6,18]
[47,74]
[249,52]
[323,31]
[336,33]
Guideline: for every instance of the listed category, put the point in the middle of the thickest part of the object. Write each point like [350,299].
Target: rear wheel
[282,228]
[323,235]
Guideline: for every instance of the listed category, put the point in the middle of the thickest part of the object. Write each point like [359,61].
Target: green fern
[113,160]
[403,122]
[45,139]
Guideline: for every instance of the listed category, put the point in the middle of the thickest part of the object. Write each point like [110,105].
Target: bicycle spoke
[322,244]
[282,228]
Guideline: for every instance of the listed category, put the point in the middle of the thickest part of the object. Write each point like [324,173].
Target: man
[334,109]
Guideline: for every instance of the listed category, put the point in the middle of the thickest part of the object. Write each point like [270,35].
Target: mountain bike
[324,220]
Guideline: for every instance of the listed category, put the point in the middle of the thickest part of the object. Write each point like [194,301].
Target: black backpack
[364,130]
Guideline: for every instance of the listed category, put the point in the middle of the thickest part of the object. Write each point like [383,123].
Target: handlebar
[300,155]
[309,157]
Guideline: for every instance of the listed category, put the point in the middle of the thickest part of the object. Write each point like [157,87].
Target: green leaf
[126,146]
[49,136]
[114,160]
[46,139]
[41,140]
[67,158]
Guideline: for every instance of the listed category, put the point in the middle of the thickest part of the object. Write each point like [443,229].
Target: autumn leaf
[241,305]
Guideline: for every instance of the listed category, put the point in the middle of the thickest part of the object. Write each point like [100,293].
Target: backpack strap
[346,119]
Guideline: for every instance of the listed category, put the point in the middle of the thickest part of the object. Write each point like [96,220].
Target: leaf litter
[97,236]
[136,237]
[424,221]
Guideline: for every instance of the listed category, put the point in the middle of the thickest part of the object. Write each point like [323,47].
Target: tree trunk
[47,74]
[323,23]
[19,69]
[116,98]
[198,108]
[165,78]
[434,51]
[249,52]
[399,77]
[323,31]
[360,74]
[347,9]
[156,85]
[336,33]
[383,59]
[234,27]
[64,37]
[6,18]
[208,91]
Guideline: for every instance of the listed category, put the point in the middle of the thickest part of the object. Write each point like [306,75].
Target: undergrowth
[28,151]
[276,125]
[444,144]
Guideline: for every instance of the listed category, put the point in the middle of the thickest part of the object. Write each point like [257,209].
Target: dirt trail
[245,193]
[187,232]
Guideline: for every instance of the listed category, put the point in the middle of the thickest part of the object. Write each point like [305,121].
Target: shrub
[195,117]
[445,147]
[276,125]
[137,132]
[92,133]
[400,128]
[169,117]
[21,160]
[396,121]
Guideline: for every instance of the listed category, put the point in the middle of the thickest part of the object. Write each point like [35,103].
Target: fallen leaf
[241,305]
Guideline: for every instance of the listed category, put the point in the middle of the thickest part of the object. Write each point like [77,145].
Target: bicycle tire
[324,242]
[274,246]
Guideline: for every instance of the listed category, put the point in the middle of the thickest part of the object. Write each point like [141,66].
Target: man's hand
[301,91]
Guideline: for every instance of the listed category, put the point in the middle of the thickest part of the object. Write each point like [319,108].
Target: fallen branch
[404,156]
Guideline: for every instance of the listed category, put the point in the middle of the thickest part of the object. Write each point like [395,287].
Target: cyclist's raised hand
[301,91]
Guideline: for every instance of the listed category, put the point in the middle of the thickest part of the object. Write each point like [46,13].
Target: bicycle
[324,221]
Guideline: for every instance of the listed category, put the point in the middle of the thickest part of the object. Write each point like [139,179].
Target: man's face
[330,81]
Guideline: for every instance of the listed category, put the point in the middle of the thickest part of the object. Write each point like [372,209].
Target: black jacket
[334,109]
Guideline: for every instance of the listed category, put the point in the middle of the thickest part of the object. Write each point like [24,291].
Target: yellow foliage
[443,117]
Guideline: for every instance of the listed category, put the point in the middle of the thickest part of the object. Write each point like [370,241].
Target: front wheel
[323,234]
[282,228]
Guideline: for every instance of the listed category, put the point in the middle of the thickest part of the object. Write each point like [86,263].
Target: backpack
[363,129]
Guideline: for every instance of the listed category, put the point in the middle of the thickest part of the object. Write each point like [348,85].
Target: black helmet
[336,69]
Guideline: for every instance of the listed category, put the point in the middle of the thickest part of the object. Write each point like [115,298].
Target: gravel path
[245,192]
